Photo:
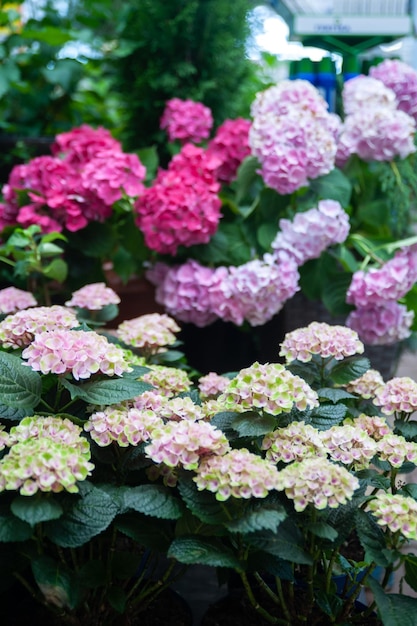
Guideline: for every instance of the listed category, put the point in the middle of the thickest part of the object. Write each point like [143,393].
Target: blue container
[326,82]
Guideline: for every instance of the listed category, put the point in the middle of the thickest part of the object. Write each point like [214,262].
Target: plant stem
[258,608]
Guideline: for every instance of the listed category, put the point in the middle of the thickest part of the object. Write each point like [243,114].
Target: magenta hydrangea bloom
[149,332]
[77,352]
[231,145]
[312,231]
[398,395]
[186,120]
[325,340]
[381,324]
[402,79]
[179,209]
[80,144]
[13,299]
[391,281]
[93,297]
[19,329]
[362,92]
[198,162]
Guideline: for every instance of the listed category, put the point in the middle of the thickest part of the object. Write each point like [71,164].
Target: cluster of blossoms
[151,332]
[294,443]
[177,409]
[85,175]
[212,385]
[317,481]
[238,474]
[402,79]
[313,231]
[182,444]
[375,426]
[122,425]
[366,385]
[231,146]
[323,339]
[382,324]
[349,445]
[46,454]
[269,387]
[74,351]
[169,381]
[13,299]
[396,512]
[396,450]
[363,92]
[292,135]
[93,297]
[398,395]
[186,120]
[19,329]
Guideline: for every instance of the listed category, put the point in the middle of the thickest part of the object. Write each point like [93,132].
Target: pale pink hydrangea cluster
[364,92]
[381,324]
[375,426]
[13,299]
[402,79]
[295,442]
[80,353]
[122,426]
[366,385]
[269,387]
[150,399]
[79,183]
[349,445]
[184,443]
[395,512]
[312,231]
[151,332]
[168,381]
[177,409]
[237,474]
[231,145]
[325,340]
[396,450]
[19,329]
[46,454]
[186,120]
[398,395]
[212,406]
[211,385]
[93,297]
[292,135]
[4,438]
[317,481]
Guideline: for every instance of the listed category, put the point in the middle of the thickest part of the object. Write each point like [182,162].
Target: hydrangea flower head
[402,79]
[123,426]
[295,442]
[13,299]
[77,352]
[317,481]
[396,450]
[363,92]
[211,385]
[178,409]
[82,143]
[93,297]
[169,381]
[269,387]
[366,385]
[376,427]
[150,332]
[395,512]
[381,324]
[325,340]
[186,120]
[19,329]
[237,474]
[398,395]
[231,145]
[349,445]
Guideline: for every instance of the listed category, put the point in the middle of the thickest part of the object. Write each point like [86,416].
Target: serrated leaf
[394,609]
[287,543]
[12,529]
[335,186]
[58,584]
[323,530]
[406,429]
[13,414]
[202,551]
[371,538]
[349,369]
[202,504]
[39,508]
[252,424]
[262,518]
[334,395]
[20,386]
[410,564]
[109,391]
[327,415]
[144,531]
[153,500]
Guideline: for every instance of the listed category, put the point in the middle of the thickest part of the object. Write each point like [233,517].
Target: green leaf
[287,543]
[203,504]
[144,531]
[406,429]
[39,508]
[252,424]
[20,386]
[333,186]
[149,158]
[333,293]
[335,395]
[51,35]
[58,584]
[12,529]
[92,574]
[10,413]
[372,538]
[327,415]
[323,530]
[394,609]
[117,598]
[56,270]
[154,500]
[202,551]
[349,369]
[263,517]
[246,176]
[109,391]
[410,564]
[90,515]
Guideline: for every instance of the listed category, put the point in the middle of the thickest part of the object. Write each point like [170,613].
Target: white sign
[352,25]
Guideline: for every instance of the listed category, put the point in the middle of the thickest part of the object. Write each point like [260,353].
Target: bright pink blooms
[13,299]
[231,145]
[186,120]
[381,324]
[77,352]
[312,231]
[402,79]
[93,297]
[325,340]
[81,144]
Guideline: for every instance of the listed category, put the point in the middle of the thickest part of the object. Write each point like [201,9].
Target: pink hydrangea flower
[151,399]
[231,145]
[349,445]
[82,143]
[179,209]
[375,426]
[398,395]
[402,79]
[122,426]
[317,481]
[395,512]
[382,324]
[197,162]
[93,297]
[184,443]
[287,96]
[396,450]
[366,385]
[363,92]
[74,351]
[169,381]
[211,385]
[177,409]
[325,340]
[186,120]
[269,387]
[295,442]
[19,329]
[312,231]
[391,281]
[236,474]
[13,300]
[150,332]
